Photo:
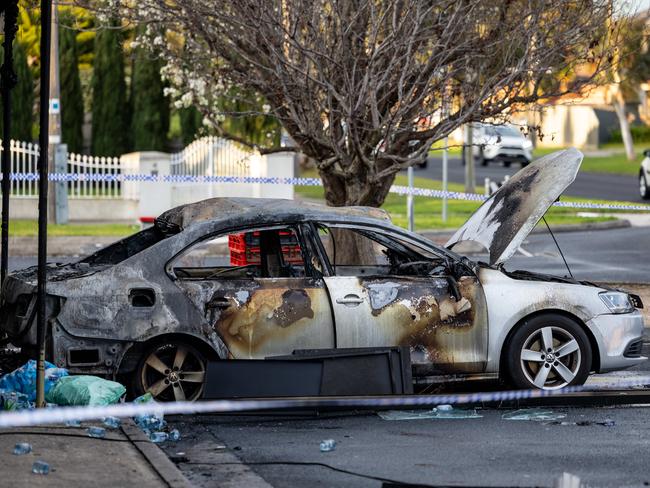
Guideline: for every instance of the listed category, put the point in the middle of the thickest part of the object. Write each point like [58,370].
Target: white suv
[644,176]
[501,143]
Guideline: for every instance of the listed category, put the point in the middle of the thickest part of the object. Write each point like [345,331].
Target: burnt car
[251,278]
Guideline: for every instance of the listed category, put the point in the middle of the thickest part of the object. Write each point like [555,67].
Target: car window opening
[263,253]
[369,253]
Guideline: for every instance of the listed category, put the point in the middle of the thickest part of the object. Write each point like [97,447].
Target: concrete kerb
[158,460]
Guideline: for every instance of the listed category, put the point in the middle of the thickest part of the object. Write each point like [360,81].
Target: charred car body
[251,278]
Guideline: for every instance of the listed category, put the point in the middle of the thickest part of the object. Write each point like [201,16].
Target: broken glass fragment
[447,412]
[533,414]
[327,445]
[97,432]
[40,467]
[22,448]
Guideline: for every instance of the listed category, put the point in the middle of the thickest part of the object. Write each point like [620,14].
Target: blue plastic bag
[23,379]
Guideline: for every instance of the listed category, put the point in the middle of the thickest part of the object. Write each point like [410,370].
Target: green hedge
[640,133]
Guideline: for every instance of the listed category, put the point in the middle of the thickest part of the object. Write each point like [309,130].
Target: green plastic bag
[85,390]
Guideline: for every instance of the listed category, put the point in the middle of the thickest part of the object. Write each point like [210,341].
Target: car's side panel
[443,332]
[512,300]
[263,317]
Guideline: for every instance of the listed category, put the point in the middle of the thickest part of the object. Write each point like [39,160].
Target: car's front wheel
[171,371]
[548,351]
[644,190]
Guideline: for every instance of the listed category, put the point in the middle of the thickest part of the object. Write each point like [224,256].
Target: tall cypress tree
[110,121]
[150,118]
[191,121]
[72,105]
[22,97]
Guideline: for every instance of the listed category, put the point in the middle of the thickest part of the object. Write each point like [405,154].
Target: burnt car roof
[216,209]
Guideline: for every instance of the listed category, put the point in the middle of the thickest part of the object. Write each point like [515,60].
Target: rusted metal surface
[504,220]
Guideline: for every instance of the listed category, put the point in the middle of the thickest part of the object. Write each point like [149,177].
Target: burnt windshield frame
[128,247]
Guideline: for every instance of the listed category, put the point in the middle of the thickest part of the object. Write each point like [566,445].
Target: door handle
[218,303]
[350,300]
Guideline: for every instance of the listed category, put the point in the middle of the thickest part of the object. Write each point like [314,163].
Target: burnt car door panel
[394,294]
[257,292]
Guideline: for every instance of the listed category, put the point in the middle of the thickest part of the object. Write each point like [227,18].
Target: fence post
[61,187]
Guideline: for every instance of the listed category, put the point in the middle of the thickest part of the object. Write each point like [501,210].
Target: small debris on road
[40,467]
[327,445]
[96,432]
[533,414]
[439,412]
[22,448]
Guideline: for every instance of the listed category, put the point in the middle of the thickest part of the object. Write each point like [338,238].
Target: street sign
[55,106]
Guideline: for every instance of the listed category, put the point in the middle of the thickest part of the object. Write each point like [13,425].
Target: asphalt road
[586,185]
[617,255]
[487,451]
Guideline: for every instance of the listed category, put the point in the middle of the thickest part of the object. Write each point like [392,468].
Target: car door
[399,294]
[258,292]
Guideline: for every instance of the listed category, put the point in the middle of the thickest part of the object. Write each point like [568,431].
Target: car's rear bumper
[618,337]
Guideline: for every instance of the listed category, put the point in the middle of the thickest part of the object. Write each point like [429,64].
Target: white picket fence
[208,156]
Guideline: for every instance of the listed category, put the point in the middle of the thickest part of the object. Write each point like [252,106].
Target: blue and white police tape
[274,180]
[25,418]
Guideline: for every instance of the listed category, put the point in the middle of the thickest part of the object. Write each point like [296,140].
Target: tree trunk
[626,134]
[352,248]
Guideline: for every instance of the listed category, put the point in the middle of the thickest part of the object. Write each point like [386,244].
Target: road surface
[587,185]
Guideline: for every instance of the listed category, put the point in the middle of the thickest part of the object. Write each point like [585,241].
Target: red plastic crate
[290,254]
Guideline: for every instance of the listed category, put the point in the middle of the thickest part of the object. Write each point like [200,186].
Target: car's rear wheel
[171,371]
[549,351]
[644,191]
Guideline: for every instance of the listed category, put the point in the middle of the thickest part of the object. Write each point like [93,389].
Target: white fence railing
[211,156]
[208,156]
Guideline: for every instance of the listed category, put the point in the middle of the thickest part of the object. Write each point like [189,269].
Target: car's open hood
[507,217]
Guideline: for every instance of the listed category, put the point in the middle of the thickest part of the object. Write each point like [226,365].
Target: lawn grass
[428,210]
[29,228]
[616,163]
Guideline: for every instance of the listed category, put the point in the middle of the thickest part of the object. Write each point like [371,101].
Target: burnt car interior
[379,256]
[263,253]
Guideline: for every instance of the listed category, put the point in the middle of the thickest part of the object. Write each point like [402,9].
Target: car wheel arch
[132,355]
[595,361]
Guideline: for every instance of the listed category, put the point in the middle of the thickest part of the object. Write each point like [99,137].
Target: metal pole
[54,129]
[469,160]
[8,82]
[409,200]
[43,160]
[445,177]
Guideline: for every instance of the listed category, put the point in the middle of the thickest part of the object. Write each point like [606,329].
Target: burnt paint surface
[506,218]
[419,312]
[262,317]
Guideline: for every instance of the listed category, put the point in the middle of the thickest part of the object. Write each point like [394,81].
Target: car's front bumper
[616,336]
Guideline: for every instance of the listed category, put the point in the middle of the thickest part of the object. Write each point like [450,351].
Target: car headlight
[617,302]
[527,144]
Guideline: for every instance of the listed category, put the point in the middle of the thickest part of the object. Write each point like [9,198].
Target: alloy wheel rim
[173,373]
[550,358]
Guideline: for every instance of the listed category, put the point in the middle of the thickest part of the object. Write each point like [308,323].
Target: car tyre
[644,190]
[171,370]
[507,164]
[548,351]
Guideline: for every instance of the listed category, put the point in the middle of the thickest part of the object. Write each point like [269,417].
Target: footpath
[125,457]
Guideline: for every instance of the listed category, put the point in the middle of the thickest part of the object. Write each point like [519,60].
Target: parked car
[501,143]
[251,278]
[644,176]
